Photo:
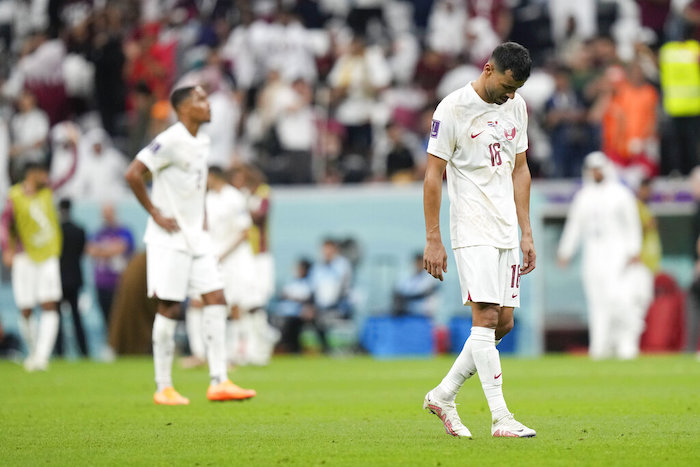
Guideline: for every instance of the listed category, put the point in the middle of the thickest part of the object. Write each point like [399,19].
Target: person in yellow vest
[679,64]
[31,245]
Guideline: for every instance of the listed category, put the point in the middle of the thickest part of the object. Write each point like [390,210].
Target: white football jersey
[178,162]
[479,141]
[227,217]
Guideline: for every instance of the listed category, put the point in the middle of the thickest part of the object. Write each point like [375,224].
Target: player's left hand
[527,245]
[435,258]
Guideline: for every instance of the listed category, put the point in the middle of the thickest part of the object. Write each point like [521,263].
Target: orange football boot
[227,391]
[169,396]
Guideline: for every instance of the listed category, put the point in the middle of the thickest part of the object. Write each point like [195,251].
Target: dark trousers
[291,332]
[682,145]
[692,317]
[105,296]
[70,299]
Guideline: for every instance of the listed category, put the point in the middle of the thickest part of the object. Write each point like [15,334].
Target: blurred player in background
[180,260]
[479,134]
[31,246]
[228,220]
[261,337]
[604,217]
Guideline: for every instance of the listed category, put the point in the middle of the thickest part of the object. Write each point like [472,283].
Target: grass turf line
[357,411]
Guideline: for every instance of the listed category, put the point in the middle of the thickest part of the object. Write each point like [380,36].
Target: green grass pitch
[354,411]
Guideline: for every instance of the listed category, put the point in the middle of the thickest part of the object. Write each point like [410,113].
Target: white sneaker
[447,412]
[32,364]
[509,427]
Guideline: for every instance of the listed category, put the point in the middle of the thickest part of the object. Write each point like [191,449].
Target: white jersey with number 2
[178,162]
[479,141]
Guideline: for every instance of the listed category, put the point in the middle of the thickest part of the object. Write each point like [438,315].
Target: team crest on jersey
[510,135]
[434,128]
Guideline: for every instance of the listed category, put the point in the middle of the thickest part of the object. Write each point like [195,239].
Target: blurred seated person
[295,307]
[395,155]
[330,279]
[415,294]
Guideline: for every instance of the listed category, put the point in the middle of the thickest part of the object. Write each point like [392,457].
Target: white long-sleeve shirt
[603,217]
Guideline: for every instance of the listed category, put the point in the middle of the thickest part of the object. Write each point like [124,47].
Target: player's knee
[504,328]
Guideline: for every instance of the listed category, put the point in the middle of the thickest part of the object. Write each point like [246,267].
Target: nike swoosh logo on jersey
[475,135]
[498,375]
[514,295]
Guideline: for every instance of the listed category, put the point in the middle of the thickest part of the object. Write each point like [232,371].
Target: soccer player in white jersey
[479,135]
[178,252]
[228,220]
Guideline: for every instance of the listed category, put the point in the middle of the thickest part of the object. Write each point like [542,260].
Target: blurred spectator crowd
[341,91]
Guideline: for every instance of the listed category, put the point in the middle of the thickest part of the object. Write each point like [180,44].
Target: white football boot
[509,427]
[447,412]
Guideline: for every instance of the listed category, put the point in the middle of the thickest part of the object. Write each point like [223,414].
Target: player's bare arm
[521,193]
[235,243]
[134,177]
[434,255]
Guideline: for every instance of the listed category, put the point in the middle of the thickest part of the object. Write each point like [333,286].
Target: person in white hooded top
[603,217]
[100,169]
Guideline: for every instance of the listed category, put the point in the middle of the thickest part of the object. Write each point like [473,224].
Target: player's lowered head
[505,72]
[36,175]
[191,106]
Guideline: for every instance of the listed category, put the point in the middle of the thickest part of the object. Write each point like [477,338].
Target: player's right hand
[168,223]
[435,259]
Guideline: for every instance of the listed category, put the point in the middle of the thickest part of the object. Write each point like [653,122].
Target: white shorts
[489,275]
[35,283]
[174,275]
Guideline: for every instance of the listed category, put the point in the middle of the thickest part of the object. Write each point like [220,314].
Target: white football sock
[46,337]
[163,350]
[488,364]
[232,341]
[245,330]
[462,369]
[28,331]
[193,321]
[214,327]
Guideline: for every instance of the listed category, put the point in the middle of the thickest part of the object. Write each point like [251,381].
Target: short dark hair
[179,95]
[217,171]
[29,166]
[65,204]
[514,57]
[305,264]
